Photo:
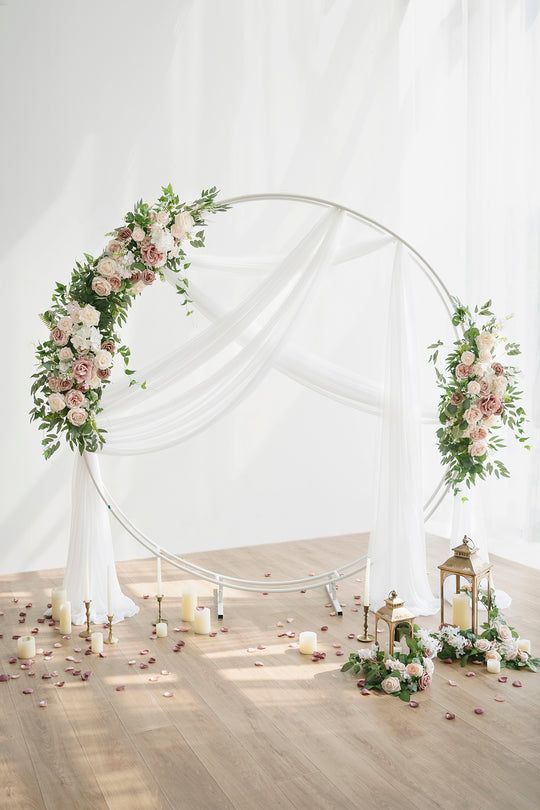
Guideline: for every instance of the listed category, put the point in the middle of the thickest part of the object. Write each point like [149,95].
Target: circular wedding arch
[326,579]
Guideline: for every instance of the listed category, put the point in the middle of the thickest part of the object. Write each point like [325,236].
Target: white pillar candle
[58,597]
[159,584]
[461,611]
[201,622]
[65,618]
[524,644]
[161,629]
[307,642]
[366,582]
[493,666]
[109,591]
[26,647]
[189,603]
[97,642]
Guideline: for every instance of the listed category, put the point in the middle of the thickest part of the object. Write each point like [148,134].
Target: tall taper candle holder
[86,633]
[159,616]
[110,638]
[366,638]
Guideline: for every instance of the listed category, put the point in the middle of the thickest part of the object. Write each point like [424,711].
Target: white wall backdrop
[421,114]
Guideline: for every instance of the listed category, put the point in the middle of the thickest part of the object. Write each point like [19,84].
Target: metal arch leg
[331,590]
[218,600]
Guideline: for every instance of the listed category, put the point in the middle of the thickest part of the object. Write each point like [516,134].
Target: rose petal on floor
[499,698]
[414,704]
[258,663]
[450,716]
[452,683]
[42,704]
[120,688]
[168,694]
[517,684]
[503,679]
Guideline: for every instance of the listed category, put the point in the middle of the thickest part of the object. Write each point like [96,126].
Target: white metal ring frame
[327,579]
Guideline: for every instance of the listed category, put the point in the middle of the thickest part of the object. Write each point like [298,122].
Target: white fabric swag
[201,381]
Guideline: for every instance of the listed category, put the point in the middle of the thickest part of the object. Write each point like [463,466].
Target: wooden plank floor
[289,734]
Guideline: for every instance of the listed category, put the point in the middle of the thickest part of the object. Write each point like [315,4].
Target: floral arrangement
[74,363]
[479,394]
[402,674]
[498,641]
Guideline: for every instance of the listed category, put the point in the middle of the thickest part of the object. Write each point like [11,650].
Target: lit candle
[461,611]
[493,666]
[86,597]
[366,582]
[109,591]
[307,642]
[161,629]
[201,623]
[189,603]
[97,642]
[65,618]
[524,645]
[58,597]
[26,647]
[159,591]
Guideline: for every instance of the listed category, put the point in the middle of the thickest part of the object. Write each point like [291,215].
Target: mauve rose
[135,277]
[490,404]
[123,233]
[59,337]
[148,276]
[74,398]
[65,354]
[457,398]
[472,415]
[150,253]
[77,416]
[463,371]
[477,449]
[101,286]
[114,248]
[498,368]
[115,282]
[478,434]
[108,345]
[83,370]
[138,234]
[65,385]
[54,383]
[104,373]
[424,682]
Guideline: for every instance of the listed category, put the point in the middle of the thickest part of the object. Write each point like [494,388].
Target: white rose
[103,359]
[499,384]
[429,666]
[89,315]
[107,267]
[467,358]
[74,311]
[56,402]
[183,223]
[491,420]
[162,217]
[163,240]
[473,387]
[138,234]
[65,324]
[485,341]
[138,287]
[391,685]
[485,356]
[95,382]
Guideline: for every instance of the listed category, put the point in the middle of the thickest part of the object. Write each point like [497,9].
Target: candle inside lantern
[493,666]
[366,582]
[65,618]
[159,584]
[26,647]
[524,645]
[58,597]
[161,629]
[109,591]
[307,642]
[461,611]
[201,622]
[189,603]
[97,642]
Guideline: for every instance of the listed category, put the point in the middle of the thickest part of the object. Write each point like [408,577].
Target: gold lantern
[466,563]
[395,614]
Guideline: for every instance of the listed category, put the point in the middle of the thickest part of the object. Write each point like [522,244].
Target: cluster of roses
[83,356]
[402,674]
[485,384]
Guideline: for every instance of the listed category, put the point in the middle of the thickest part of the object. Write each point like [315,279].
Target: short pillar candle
[189,603]
[26,647]
[201,623]
[493,665]
[58,597]
[65,618]
[161,629]
[307,642]
[97,642]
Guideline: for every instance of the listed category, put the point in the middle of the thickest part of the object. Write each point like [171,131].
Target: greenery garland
[74,363]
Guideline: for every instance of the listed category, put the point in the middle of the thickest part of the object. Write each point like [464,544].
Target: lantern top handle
[466,548]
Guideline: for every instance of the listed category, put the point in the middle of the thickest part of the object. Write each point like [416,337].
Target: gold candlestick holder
[110,638]
[366,637]
[87,633]
[159,616]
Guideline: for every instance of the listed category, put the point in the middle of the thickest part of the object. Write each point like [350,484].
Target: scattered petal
[499,698]
[470,674]
[153,660]
[340,652]
[448,661]
[336,644]
[414,704]
[18,675]
[146,596]
[86,675]
[42,704]
[281,635]
[131,662]
[3,677]
[279,624]
[303,590]
[517,684]
[77,649]
[324,628]
[268,574]
[365,691]
[120,688]
[251,649]
[144,652]
[165,672]
[46,676]
[213,634]
[261,647]
[290,620]
[76,672]
[168,694]
[57,644]
[332,613]
[13,660]
[27,691]
[102,655]
[450,716]
[264,593]
[153,678]
[224,629]
[452,683]
[351,635]
[503,679]
[258,663]
[479,710]
[143,665]
[361,682]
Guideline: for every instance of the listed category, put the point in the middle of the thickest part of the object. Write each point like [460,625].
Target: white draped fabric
[397,542]
[199,382]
